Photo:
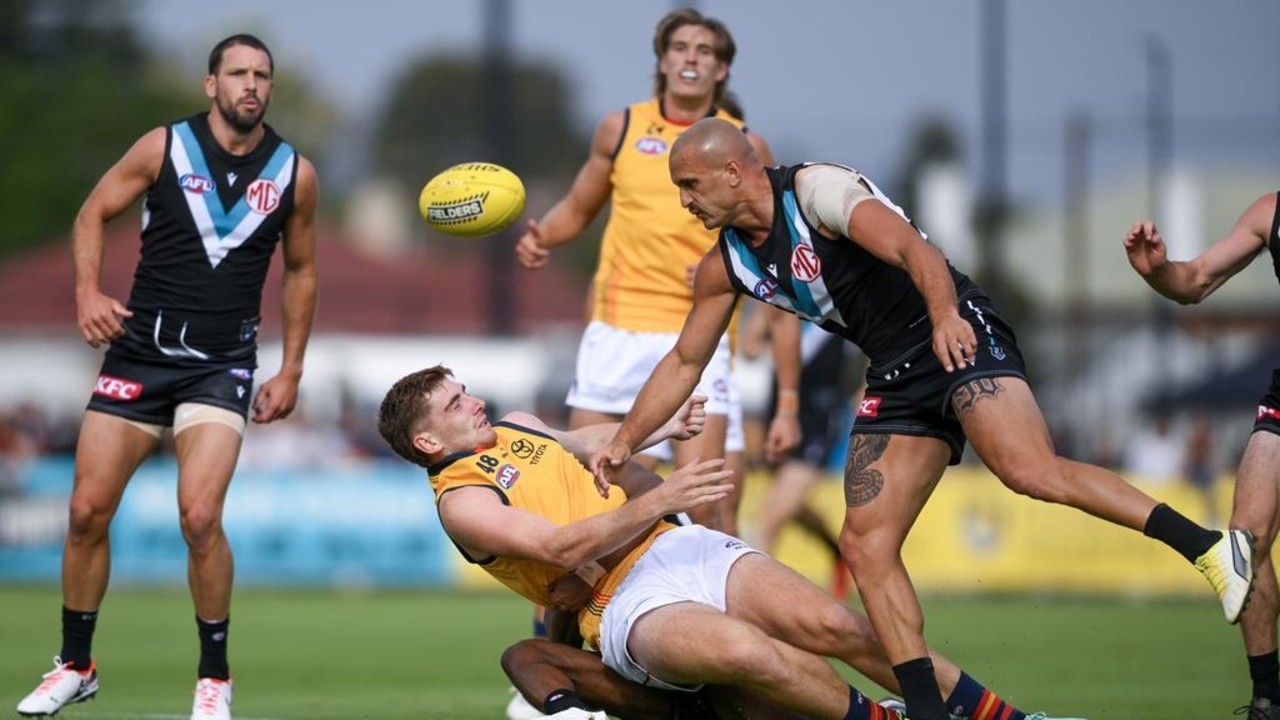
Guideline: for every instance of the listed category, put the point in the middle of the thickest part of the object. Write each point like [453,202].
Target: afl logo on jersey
[197,184]
[651,146]
[766,289]
[805,265]
[507,476]
[263,196]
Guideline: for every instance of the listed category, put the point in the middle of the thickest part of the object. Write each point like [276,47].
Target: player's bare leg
[108,451]
[1256,508]
[1008,431]
[207,454]
[887,480]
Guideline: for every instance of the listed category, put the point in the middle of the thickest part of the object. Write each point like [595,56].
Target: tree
[78,89]
[435,117]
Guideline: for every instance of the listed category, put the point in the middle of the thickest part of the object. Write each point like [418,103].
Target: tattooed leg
[969,394]
[862,483]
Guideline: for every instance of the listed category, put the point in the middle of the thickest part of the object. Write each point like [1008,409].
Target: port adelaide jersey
[210,224]
[836,284]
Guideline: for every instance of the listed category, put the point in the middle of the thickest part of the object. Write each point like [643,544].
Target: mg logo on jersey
[114,387]
[194,183]
[263,196]
[507,476]
[1268,412]
[651,146]
[869,407]
[805,265]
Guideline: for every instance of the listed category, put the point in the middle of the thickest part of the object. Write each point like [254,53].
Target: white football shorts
[688,564]
[614,364]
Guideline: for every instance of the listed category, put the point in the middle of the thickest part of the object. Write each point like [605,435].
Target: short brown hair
[676,19]
[403,409]
[215,55]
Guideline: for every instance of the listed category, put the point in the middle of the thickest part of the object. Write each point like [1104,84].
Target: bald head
[714,142]
[716,169]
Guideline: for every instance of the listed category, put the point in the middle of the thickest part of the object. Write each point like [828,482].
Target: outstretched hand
[954,342]
[1145,248]
[698,483]
[529,249]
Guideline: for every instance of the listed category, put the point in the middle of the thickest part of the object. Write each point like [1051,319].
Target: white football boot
[62,686]
[213,700]
[1228,565]
[520,709]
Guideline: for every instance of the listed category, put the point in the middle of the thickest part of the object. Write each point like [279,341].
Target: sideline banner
[975,535]
[354,524]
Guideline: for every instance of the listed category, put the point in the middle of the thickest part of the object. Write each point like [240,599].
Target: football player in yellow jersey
[641,293]
[670,606]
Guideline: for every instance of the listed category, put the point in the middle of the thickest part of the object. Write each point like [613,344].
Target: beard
[243,121]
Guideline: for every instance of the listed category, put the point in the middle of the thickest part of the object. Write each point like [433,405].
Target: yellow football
[472,199]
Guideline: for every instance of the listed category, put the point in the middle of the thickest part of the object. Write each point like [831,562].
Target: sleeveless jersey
[1273,240]
[650,240]
[531,471]
[836,283]
[210,224]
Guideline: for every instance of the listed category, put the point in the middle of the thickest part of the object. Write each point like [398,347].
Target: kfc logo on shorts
[507,476]
[805,265]
[263,196]
[1268,412]
[766,289]
[869,407]
[114,387]
[651,146]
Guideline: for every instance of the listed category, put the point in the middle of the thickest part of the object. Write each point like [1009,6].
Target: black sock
[1171,528]
[213,649]
[1265,672]
[77,637]
[920,690]
[562,699]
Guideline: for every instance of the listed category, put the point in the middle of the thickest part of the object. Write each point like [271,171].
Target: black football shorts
[911,393]
[148,392]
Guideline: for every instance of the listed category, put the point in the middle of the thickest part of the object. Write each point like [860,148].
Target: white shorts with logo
[688,564]
[613,365]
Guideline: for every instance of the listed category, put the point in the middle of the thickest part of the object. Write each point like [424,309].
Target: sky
[831,80]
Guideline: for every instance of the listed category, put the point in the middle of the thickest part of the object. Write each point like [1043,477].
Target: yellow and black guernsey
[650,240]
[531,471]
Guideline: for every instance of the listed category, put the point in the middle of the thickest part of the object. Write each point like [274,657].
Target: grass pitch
[430,654]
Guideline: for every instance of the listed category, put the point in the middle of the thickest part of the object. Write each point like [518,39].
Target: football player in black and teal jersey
[220,190]
[821,241]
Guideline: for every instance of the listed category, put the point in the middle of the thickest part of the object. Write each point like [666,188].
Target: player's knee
[87,519]
[747,658]
[524,654]
[836,629]
[1044,482]
[201,525]
[865,552]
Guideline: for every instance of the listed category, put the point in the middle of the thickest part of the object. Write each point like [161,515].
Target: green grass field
[420,654]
